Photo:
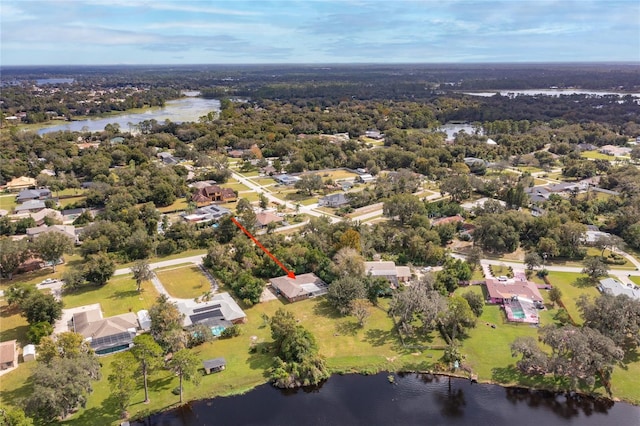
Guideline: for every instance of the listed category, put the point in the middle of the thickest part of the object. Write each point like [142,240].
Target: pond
[413,399]
[189,108]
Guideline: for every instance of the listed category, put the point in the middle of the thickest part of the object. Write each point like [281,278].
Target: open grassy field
[178,205]
[336,174]
[8,202]
[118,296]
[187,282]
[591,251]
[565,281]
[64,202]
[186,253]
[635,280]
[595,155]
[14,325]
[236,186]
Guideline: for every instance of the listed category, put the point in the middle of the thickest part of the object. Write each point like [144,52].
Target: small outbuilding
[214,365]
[29,353]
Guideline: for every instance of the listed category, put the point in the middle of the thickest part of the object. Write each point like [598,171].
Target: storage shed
[214,365]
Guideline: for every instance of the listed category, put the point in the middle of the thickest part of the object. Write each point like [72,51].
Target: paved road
[173,262]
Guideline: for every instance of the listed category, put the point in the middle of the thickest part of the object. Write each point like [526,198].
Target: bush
[542,273]
[229,332]
[39,330]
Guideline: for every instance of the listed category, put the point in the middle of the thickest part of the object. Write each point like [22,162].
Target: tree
[348,263]
[41,307]
[50,246]
[39,330]
[263,201]
[532,260]
[12,254]
[297,362]
[141,273]
[16,294]
[73,279]
[14,417]
[404,207]
[99,269]
[343,290]
[245,213]
[617,317]
[604,241]
[474,256]
[595,268]
[515,197]
[555,295]
[309,183]
[476,302]
[67,345]
[149,355]
[185,364]
[459,187]
[121,382]
[61,386]
[419,301]
[493,234]
[351,238]
[361,309]
[534,360]
[458,317]
[165,317]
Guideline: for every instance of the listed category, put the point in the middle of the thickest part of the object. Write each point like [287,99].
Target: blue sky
[316,31]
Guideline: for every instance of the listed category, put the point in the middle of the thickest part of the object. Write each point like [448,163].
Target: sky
[113,32]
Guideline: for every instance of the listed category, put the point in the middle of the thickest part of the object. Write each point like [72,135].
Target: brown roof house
[8,355]
[265,218]
[214,194]
[106,335]
[501,291]
[21,182]
[301,287]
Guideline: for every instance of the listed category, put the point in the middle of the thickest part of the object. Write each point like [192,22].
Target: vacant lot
[566,282]
[118,296]
[184,283]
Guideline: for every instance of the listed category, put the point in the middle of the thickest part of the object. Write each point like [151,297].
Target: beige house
[8,355]
[301,287]
[20,183]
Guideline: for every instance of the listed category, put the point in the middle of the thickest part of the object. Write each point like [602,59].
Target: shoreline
[242,391]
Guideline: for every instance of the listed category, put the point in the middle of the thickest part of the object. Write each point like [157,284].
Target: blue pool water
[217,330]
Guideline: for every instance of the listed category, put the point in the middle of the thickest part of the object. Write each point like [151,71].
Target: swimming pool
[518,313]
[217,330]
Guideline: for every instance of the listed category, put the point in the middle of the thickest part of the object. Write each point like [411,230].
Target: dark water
[412,400]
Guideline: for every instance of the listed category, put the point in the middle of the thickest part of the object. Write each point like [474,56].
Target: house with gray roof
[334,200]
[616,288]
[106,335]
[30,206]
[33,194]
[303,286]
[220,310]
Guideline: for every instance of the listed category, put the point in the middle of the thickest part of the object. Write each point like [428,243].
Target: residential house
[387,269]
[269,170]
[167,158]
[214,365]
[471,205]
[265,218]
[215,194]
[211,213]
[30,206]
[219,312]
[365,178]
[501,291]
[87,185]
[374,134]
[334,200]
[67,230]
[303,286]
[8,355]
[106,335]
[616,288]
[538,194]
[236,153]
[33,194]
[117,140]
[285,179]
[69,215]
[447,220]
[202,184]
[617,151]
[20,183]
[144,320]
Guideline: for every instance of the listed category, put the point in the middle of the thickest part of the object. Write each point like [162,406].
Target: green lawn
[64,202]
[186,253]
[565,281]
[635,280]
[595,155]
[178,205]
[184,283]
[346,346]
[14,325]
[236,186]
[118,296]
[8,202]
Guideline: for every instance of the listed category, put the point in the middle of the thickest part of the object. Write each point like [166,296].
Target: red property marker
[289,273]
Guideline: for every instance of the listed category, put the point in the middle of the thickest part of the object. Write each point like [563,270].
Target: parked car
[502,278]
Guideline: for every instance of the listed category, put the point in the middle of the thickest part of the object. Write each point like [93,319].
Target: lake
[414,399]
[550,92]
[189,108]
[451,129]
